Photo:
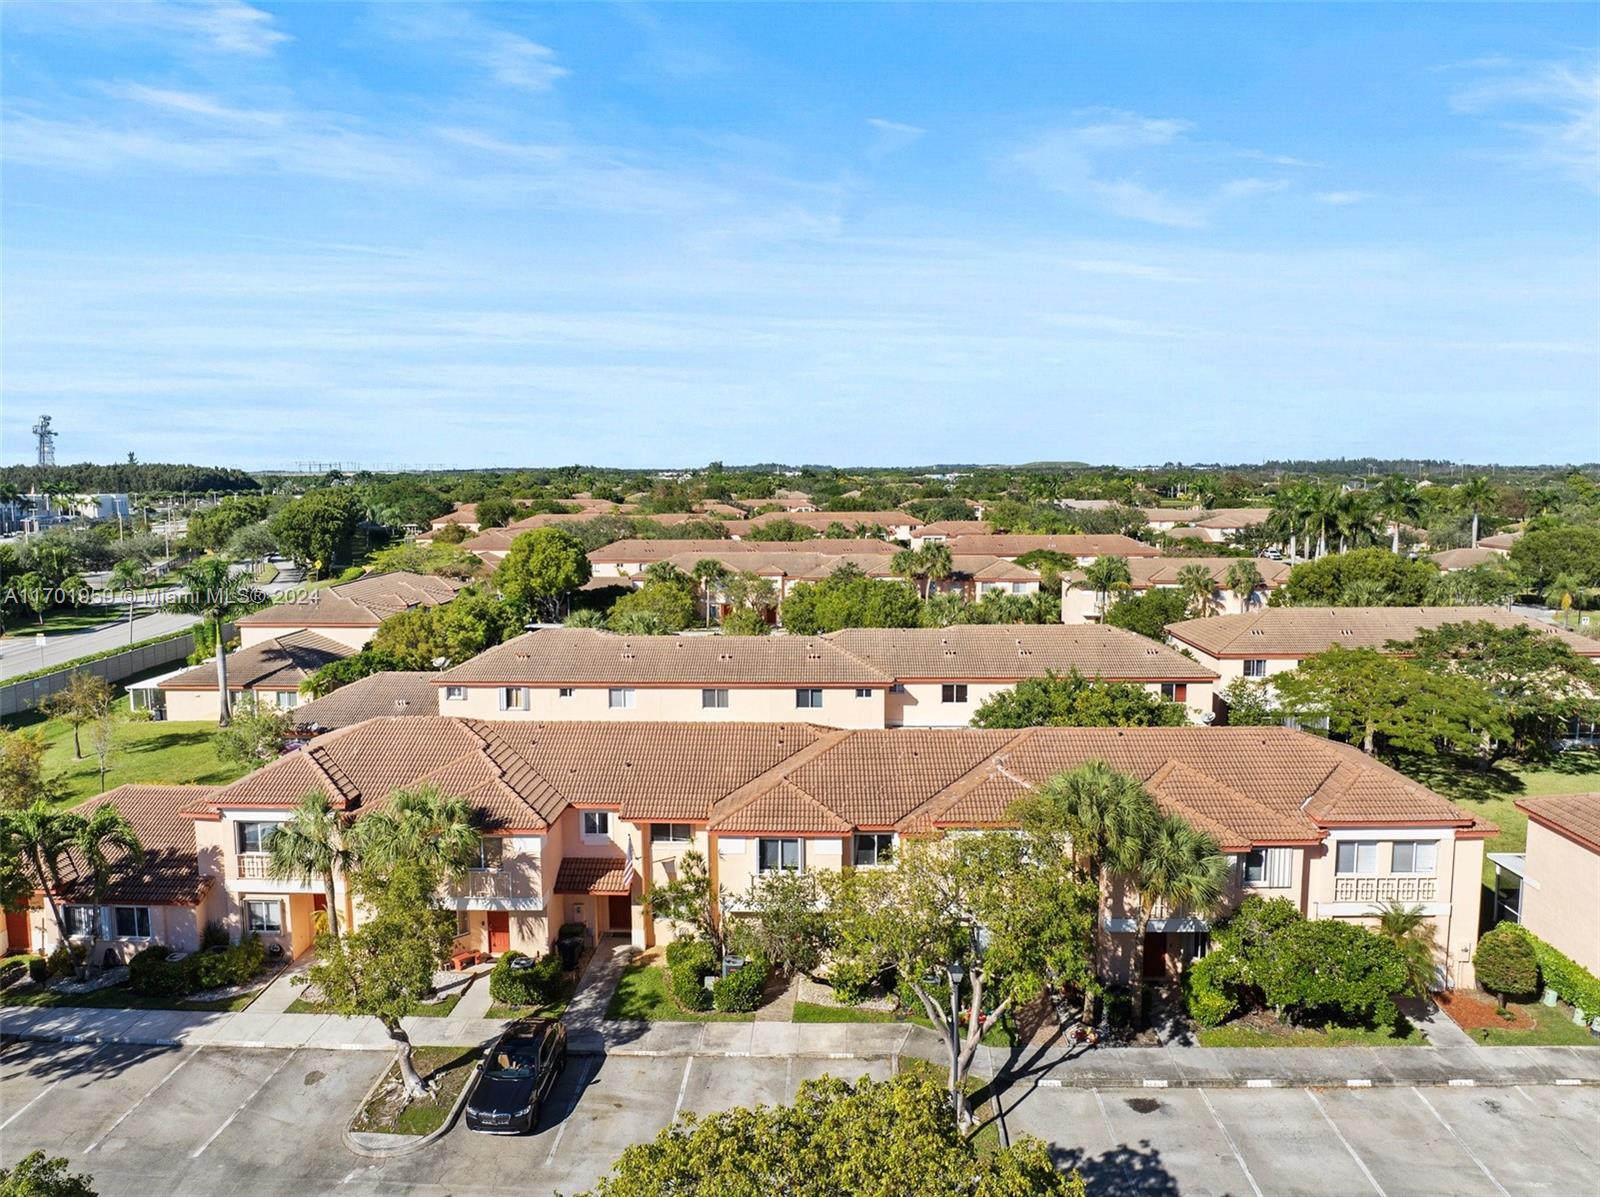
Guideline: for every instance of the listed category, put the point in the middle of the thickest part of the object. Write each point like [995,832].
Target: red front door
[619,913]
[19,934]
[1155,955]
[499,932]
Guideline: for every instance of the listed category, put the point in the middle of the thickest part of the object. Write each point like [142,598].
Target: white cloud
[195,104]
[1551,109]
[891,136]
[1141,270]
[518,62]
[217,26]
[1240,188]
[1342,199]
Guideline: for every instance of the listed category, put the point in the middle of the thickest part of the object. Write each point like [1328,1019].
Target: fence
[20,696]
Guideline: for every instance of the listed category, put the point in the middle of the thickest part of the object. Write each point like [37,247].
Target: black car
[517,1077]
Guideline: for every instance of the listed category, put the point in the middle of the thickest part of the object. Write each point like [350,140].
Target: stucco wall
[1561,895]
[840,706]
[922,703]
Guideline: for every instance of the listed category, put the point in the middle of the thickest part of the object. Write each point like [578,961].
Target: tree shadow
[53,1061]
[1458,778]
[1576,763]
[1122,1170]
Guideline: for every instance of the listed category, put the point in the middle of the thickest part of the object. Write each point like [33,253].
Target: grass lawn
[643,992]
[447,1069]
[169,753]
[67,619]
[1555,1029]
[1287,1036]
[120,998]
[1002,1034]
[510,1013]
[1493,792]
[431,1010]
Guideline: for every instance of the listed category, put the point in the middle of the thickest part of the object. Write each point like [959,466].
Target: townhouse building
[1083,548]
[1554,888]
[1079,604]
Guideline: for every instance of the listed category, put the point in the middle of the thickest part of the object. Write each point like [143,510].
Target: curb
[1110,1084]
[373,1148]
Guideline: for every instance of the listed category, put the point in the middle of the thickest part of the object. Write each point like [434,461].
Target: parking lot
[154,1120]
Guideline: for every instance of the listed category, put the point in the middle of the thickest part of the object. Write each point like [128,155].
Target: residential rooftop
[1576,816]
[1072,545]
[365,602]
[401,692]
[1302,631]
[168,873]
[281,663]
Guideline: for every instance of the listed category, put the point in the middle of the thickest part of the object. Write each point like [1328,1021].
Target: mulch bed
[1473,1011]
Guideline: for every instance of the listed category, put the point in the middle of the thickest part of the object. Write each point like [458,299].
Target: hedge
[1204,992]
[538,984]
[78,662]
[152,971]
[689,963]
[152,974]
[740,991]
[1573,983]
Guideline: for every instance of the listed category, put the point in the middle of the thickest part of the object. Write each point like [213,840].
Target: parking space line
[26,1106]
[1232,1146]
[1471,1155]
[106,1134]
[1334,1127]
[683,1087]
[1105,1119]
[583,1083]
[1587,1152]
[788,1080]
[195,1154]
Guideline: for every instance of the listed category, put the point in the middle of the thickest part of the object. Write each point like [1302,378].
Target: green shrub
[1506,963]
[851,984]
[64,961]
[1205,992]
[689,963]
[233,965]
[573,930]
[38,970]
[151,973]
[13,969]
[1573,983]
[351,574]
[538,984]
[740,991]
[1324,970]
[215,935]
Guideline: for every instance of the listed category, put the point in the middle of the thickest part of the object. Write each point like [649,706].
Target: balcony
[255,866]
[1384,889]
[480,883]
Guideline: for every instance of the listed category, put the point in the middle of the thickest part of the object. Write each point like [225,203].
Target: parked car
[517,1077]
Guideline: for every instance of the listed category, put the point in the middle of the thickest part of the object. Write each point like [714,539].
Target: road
[267,1124]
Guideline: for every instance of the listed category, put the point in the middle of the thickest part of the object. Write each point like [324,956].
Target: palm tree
[1105,574]
[1244,579]
[208,592]
[128,574]
[38,834]
[710,573]
[907,564]
[310,847]
[1408,929]
[1288,518]
[937,565]
[1179,868]
[1321,515]
[420,826]
[92,840]
[1478,496]
[1197,582]
[1398,501]
[1353,517]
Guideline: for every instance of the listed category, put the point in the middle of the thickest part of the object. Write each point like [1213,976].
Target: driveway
[268,1123]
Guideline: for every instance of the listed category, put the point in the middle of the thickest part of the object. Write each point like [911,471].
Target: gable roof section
[278,664]
[1576,816]
[1073,545]
[1163,571]
[403,692]
[1007,652]
[1302,631]
[169,873]
[622,552]
[365,602]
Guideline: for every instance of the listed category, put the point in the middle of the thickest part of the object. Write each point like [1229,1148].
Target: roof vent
[724,656]
[1257,632]
[401,704]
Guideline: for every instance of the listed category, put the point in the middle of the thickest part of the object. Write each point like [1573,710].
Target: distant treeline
[128,478]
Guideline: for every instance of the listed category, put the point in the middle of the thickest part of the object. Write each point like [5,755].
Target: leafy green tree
[253,543]
[439,559]
[542,567]
[37,1176]
[255,736]
[310,848]
[659,607]
[23,780]
[1105,574]
[782,922]
[870,1139]
[496,512]
[209,592]
[1505,963]
[847,598]
[1149,613]
[36,594]
[101,842]
[210,528]
[105,740]
[384,968]
[1408,928]
[451,633]
[690,901]
[346,670]
[1543,555]
[84,699]
[711,575]
[1319,969]
[781,529]
[1077,701]
[420,827]
[1374,577]
[1535,678]
[1370,698]
[313,529]
[745,621]
[1251,704]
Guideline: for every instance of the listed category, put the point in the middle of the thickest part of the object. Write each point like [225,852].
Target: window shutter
[1279,861]
[502,694]
[526,695]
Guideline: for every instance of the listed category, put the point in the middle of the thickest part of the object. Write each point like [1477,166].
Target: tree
[1077,701]
[40,835]
[104,740]
[711,575]
[1149,613]
[1198,585]
[661,606]
[1371,577]
[690,901]
[1326,968]
[84,699]
[1535,678]
[1321,515]
[1398,501]
[128,575]
[781,529]
[871,1139]
[1478,496]
[1179,868]
[418,826]
[22,777]
[384,968]
[37,594]
[93,841]
[209,592]
[847,598]
[1105,574]
[1505,962]
[253,543]
[1408,929]
[1545,554]
[1244,579]
[310,848]
[496,512]
[976,909]
[1251,704]
[1368,697]
[313,529]
[36,1176]
[255,736]
[210,529]
[781,921]
[1563,593]
[542,567]
[745,621]
[346,670]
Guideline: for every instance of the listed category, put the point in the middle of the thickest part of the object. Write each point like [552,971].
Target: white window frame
[1169,691]
[1247,867]
[1417,849]
[953,692]
[250,923]
[808,698]
[620,698]
[595,825]
[455,693]
[515,698]
[1255,667]
[286,700]
[780,841]
[263,833]
[136,911]
[863,691]
[1358,849]
[491,854]
[1019,588]
[79,919]
[714,698]
[667,833]
[880,854]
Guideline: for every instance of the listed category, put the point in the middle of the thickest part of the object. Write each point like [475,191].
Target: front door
[499,932]
[1155,955]
[619,914]
[19,934]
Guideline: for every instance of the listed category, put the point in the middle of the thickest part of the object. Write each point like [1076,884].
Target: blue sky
[504,234]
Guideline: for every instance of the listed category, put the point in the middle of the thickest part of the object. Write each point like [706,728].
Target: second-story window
[455,693]
[491,848]
[671,833]
[1175,691]
[1356,857]
[1255,668]
[863,692]
[1415,856]
[953,692]
[596,823]
[808,699]
[874,848]
[256,837]
[514,698]
[777,856]
[714,700]
[619,699]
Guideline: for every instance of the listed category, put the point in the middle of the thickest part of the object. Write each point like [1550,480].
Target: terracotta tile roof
[783,808]
[1011,651]
[948,528]
[1576,816]
[462,513]
[812,566]
[1504,541]
[278,664]
[365,602]
[1163,571]
[1224,518]
[623,552]
[404,692]
[590,875]
[587,657]
[821,519]
[1110,545]
[1302,631]
[1465,558]
[169,873]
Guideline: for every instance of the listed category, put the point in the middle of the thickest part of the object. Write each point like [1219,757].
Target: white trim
[534,904]
[1392,833]
[1188,922]
[1368,909]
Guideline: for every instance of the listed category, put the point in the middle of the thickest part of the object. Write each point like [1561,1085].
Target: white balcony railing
[1384,889]
[481,883]
[256,866]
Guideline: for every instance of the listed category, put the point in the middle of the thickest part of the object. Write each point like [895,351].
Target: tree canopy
[314,529]
[542,567]
[1371,577]
[847,598]
[1077,701]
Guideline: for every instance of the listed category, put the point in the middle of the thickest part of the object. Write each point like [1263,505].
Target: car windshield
[506,1066]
